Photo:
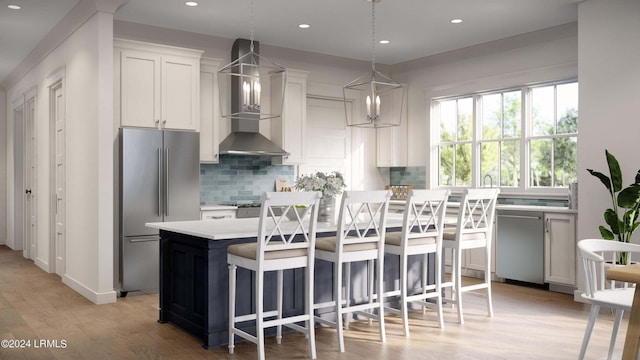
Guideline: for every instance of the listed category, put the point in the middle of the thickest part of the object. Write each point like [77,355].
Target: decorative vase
[326,210]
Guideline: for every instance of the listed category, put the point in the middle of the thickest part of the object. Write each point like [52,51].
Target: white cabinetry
[392,141]
[218,213]
[290,130]
[560,248]
[157,85]
[209,111]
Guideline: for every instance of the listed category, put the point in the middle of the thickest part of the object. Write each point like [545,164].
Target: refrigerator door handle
[159,181]
[166,183]
[142,240]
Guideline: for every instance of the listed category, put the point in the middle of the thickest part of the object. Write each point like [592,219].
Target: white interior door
[18,180]
[58,119]
[30,179]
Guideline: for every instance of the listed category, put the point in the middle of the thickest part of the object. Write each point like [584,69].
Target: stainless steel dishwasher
[520,246]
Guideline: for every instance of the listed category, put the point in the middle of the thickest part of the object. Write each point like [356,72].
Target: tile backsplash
[240,179]
[410,175]
[533,202]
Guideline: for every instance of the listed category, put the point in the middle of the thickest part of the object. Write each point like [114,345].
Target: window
[500,142]
[493,137]
[553,144]
[456,135]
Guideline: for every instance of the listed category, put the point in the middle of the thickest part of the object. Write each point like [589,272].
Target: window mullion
[525,164]
[475,144]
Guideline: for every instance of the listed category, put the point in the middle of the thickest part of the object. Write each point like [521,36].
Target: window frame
[523,187]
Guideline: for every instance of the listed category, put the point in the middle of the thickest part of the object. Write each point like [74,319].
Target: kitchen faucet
[484,180]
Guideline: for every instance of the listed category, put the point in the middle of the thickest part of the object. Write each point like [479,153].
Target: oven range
[248,210]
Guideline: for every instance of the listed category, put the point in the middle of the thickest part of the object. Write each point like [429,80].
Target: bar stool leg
[338,294]
[425,263]
[279,300]
[458,284]
[232,305]
[347,294]
[403,295]
[370,267]
[260,314]
[487,279]
[380,263]
[311,334]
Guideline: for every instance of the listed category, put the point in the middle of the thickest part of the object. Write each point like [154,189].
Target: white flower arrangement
[329,184]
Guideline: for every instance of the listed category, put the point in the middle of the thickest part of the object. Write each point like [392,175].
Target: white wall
[545,55]
[3,166]
[85,58]
[609,93]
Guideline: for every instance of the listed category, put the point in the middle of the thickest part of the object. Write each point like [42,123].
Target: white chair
[474,229]
[422,228]
[278,248]
[359,237]
[598,255]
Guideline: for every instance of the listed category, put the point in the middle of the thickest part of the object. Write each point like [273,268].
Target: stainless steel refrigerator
[159,181]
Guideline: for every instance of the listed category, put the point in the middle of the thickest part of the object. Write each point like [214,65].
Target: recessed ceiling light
[191,3]
[304,26]
[384,41]
[456,21]
[14,7]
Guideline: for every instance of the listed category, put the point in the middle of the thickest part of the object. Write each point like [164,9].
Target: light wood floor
[528,324]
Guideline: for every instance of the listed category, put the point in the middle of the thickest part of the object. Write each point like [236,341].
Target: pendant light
[250,76]
[378,93]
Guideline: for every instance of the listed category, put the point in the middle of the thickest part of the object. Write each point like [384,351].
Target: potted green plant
[625,202]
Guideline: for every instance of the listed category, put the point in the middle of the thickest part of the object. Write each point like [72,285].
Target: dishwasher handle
[520,217]
[547,226]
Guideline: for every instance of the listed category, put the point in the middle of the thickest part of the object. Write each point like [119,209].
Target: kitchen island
[194,282]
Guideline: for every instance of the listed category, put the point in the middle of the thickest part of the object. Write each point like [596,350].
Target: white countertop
[225,229]
[542,208]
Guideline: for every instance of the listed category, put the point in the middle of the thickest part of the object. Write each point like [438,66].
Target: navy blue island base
[194,285]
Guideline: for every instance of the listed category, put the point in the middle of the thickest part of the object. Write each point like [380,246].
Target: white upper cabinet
[392,141]
[290,130]
[159,86]
[209,111]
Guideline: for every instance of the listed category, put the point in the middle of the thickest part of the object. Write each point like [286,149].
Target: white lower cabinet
[217,214]
[560,248]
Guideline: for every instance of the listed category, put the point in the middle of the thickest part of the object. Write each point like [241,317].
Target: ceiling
[415,28]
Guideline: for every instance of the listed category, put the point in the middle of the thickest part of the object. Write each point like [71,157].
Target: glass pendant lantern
[251,75]
[382,97]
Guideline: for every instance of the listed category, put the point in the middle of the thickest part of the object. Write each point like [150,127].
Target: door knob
[28,191]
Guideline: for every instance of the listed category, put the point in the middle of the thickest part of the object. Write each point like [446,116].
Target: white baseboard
[41,264]
[95,297]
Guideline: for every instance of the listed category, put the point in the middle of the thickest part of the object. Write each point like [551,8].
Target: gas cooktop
[241,205]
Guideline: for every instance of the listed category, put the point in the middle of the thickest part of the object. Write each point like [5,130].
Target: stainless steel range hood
[245,138]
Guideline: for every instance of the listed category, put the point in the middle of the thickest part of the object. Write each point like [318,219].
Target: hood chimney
[245,138]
